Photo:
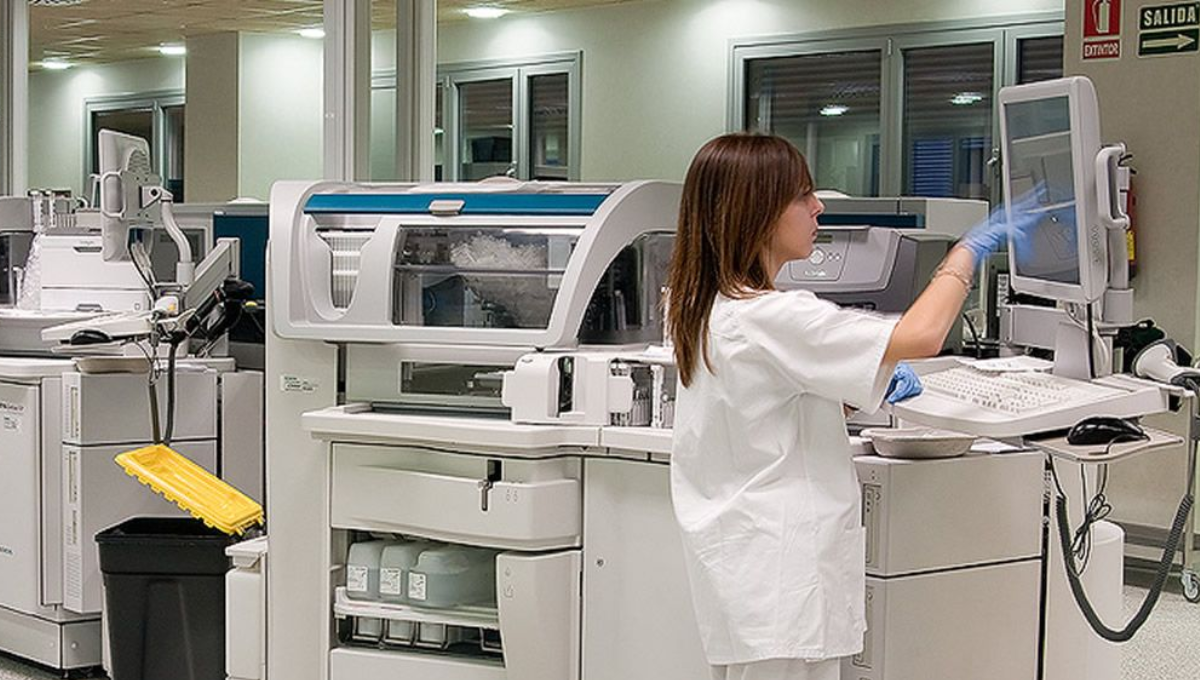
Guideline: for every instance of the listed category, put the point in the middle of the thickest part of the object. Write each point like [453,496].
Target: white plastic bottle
[362,583]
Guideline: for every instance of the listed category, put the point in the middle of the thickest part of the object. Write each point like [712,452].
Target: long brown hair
[737,187]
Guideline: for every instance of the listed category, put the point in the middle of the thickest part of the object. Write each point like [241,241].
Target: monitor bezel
[1085,145]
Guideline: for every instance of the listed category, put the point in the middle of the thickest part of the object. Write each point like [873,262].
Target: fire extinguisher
[1130,205]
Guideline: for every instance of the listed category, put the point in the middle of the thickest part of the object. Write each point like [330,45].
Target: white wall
[655,73]
[56,112]
[281,112]
[655,81]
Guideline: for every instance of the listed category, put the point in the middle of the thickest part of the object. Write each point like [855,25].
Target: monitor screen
[1039,158]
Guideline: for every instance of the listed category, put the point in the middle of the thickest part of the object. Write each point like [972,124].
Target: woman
[762,480]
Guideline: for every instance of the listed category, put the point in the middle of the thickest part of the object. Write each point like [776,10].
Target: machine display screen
[823,237]
[1040,161]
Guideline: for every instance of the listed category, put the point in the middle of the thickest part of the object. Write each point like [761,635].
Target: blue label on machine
[473,204]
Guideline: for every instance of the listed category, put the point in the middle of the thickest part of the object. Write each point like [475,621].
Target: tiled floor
[1167,648]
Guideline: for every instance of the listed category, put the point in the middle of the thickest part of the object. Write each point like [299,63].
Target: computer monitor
[1050,136]
[124,170]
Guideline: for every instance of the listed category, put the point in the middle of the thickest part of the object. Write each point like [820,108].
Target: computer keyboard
[1007,399]
[1016,392]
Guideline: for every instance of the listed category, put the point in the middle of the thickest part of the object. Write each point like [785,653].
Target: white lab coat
[762,479]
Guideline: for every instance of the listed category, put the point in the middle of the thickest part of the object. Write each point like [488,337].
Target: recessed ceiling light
[172,50]
[966,98]
[314,33]
[55,3]
[485,12]
[55,64]
[834,109]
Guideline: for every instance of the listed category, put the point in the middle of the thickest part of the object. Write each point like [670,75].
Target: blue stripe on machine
[473,204]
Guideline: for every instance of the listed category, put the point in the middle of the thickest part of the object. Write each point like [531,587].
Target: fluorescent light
[172,50]
[55,64]
[485,12]
[834,109]
[315,33]
[966,98]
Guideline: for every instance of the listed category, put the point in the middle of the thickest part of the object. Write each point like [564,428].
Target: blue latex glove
[988,236]
[904,384]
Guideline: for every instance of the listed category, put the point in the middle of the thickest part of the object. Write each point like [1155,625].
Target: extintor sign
[1101,29]
[1101,18]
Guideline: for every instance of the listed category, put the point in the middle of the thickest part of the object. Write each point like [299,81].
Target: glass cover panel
[828,106]
[1039,59]
[1039,157]
[948,121]
[509,277]
[474,381]
[480,277]
[626,306]
[486,119]
[548,143]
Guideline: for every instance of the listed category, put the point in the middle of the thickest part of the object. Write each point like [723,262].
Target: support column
[347,89]
[213,105]
[416,73]
[14,97]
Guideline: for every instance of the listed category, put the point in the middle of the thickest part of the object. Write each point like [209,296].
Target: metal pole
[14,96]
[416,73]
[347,102]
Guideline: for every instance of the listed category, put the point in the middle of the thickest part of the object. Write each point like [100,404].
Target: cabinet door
[638,620]
[20,506]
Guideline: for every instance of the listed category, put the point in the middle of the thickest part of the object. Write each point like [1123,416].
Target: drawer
[356,664]
[531,505]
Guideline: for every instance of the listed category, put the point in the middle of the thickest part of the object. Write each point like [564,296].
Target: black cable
[1090,346]
[974,336]
[137,267]
[1098,507]
[170,431]
[155,430]
[1160,575]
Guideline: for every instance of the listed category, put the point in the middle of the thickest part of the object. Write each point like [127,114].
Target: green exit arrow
[1178,42]
[1169,42]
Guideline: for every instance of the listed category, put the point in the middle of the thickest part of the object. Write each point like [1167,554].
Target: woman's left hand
[904,384]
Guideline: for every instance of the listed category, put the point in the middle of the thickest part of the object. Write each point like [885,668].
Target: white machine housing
[308,269]
[336,259]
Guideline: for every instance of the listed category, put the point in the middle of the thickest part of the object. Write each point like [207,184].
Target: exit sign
[1169,29]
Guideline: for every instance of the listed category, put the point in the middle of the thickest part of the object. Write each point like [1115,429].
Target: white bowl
[918,442]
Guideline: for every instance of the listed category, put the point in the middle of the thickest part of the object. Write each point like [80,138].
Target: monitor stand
[1050,328]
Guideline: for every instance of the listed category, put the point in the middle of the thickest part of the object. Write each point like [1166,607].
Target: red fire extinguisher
[1131,232]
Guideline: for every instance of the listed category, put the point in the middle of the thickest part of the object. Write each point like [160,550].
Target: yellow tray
[192,488]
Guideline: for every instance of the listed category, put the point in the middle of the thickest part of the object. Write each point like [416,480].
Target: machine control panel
[827,260]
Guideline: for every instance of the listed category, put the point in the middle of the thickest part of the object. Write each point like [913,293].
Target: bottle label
[416,586]
[390,581]
[356,579]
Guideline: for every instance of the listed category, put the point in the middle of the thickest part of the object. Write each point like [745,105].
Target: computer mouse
[90,336]
[1104,430]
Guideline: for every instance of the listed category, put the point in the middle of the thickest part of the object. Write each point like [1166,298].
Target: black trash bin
[164,580]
